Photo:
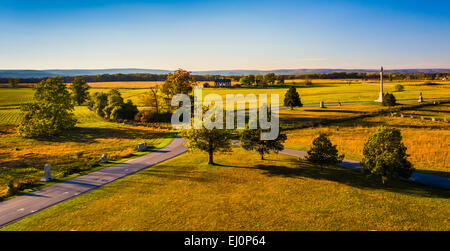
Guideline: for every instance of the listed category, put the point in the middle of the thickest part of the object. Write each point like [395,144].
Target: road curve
[416,177]
[25,205]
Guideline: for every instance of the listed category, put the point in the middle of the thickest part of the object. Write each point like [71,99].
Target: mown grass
[245,193]
[428,142]
[78,150]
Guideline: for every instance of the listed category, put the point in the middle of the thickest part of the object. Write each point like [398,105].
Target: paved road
[247,111]
[22,206]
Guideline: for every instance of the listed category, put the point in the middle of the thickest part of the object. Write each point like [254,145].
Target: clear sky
[218,35]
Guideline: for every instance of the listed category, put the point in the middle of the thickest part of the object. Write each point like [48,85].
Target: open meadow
[245,193]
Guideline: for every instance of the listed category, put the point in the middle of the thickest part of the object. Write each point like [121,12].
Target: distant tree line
[269,78]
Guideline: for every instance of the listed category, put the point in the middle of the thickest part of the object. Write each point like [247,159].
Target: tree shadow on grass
[90,135]
[349,177]
[340,111]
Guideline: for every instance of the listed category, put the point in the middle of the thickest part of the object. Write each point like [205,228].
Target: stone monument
[142,147]
[322,105]
[104,158]
[381,95]
[47,173]
[420,98]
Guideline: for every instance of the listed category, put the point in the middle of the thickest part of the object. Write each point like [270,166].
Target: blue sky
[217,35]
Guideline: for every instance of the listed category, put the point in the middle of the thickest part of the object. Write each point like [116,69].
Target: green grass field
[326,91]
[245,193]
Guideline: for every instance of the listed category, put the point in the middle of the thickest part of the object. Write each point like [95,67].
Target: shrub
[399,88]
[389,100]
[385,155]
[149,116]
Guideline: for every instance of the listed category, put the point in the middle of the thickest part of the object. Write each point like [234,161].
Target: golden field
[428,142]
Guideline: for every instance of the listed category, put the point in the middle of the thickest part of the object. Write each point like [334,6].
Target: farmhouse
[222,83]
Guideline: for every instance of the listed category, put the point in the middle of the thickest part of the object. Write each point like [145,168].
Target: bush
[323,152]
[399,88]
[389,100]
[112,106]
[385,155]
[149,116]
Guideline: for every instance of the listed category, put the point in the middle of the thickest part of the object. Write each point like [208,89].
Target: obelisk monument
[381,95]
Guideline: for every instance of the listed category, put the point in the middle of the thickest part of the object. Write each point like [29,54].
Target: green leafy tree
[252,79]
[399,88]
[51,111]
[152,99]
[245,81]
[99,101]
[179,82]
[385,155]
[269,78]
[251,141]
[208,140]
[80,90]
[292,98]
[323,152]
[12,82]
[389,100]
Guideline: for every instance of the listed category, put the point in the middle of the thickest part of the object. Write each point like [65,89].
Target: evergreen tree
[292,98]
[323,152]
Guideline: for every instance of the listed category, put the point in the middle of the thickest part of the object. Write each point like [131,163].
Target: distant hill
[79,72]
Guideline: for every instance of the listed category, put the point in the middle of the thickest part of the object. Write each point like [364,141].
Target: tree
[269,78]
[389,100]
[152,99]
[12,82]
[245,81]
[111,106]
[385,155]
[179,82]
[51,111]
[252,79]
[399,88]
[323,152]
[292,98]
[79,90]
[251,141]
[99,101]
[208,140]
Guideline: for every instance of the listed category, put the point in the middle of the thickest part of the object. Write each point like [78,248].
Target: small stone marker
[412,116]
[433,119]
[401,115]
[104,158]
[142,147]
[322,105]
[420,98]
[47,173]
